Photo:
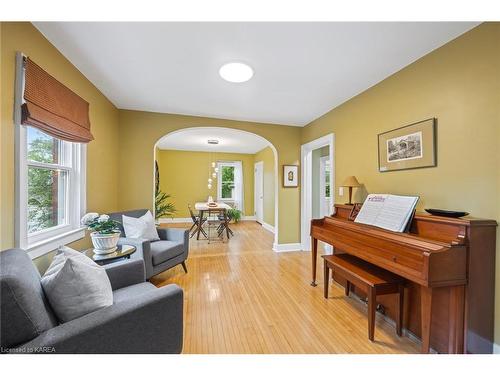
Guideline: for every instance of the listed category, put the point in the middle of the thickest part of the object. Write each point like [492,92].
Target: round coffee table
[122,251]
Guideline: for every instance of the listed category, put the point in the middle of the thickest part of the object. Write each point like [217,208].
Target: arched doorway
[191,139]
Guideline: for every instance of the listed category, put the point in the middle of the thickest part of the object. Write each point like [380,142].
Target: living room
[214,197]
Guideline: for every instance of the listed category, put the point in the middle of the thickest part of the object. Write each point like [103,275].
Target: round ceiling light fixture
[236,72]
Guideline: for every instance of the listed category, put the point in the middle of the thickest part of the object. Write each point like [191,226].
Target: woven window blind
[53,108]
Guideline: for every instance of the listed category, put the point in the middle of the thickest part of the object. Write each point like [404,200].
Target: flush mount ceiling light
[236,72]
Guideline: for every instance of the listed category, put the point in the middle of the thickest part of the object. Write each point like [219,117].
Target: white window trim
[50,239]
[219,180]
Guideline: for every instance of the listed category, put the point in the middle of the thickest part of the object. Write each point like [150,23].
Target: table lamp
[351,182]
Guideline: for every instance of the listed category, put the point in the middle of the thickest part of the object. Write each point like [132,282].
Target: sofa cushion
[118,217]
[24,310]
[131,292]
[142,227]
[161,251]
[75,285]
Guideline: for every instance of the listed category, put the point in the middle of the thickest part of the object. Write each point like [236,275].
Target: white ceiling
[230,140]
[302,70]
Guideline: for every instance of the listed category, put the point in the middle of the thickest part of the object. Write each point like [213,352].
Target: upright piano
[449,265]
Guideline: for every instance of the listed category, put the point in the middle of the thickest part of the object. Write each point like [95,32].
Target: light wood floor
[241,297]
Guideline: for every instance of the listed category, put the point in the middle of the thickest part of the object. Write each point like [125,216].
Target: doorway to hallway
[318,183]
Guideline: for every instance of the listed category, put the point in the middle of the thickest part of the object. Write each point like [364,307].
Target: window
[50,184]
[48,169]
[230,183]
[226,185]
[50,191]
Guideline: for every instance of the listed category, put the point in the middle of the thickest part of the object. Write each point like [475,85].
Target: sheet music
[387,211]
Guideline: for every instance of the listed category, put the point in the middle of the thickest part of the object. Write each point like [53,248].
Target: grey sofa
[142,319]
[172,248]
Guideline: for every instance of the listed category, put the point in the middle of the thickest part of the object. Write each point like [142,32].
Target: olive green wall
[102,153]
[184,175]
[266,155]
[139,132]
[459,84]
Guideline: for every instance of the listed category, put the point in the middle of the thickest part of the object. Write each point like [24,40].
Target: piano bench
[372,280]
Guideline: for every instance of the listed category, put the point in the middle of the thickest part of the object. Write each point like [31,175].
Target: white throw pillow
[75,285]
[142,227]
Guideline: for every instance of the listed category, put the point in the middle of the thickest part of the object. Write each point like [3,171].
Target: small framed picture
[412,146]
[290,176]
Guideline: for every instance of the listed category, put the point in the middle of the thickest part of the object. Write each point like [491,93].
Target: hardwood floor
[242,297]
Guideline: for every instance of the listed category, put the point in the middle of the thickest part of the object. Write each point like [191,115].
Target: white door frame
[256,200]
[306,183]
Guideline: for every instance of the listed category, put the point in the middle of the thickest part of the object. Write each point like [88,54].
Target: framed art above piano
[409,147]
[449,267]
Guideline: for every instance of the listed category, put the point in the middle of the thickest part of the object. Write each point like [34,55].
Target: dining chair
[214,222]
[224,225]
[196,223]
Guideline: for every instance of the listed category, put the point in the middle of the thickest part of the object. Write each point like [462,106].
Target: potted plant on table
[104,232]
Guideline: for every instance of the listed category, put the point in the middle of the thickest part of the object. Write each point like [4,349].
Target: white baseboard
[268,227]
[167,220]
[283,247]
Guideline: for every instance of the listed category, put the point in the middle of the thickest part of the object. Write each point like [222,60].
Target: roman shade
[53,108]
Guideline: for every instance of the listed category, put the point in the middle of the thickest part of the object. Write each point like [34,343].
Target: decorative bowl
[447,213]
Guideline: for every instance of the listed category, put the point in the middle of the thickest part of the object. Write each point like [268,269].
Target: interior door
[259,191]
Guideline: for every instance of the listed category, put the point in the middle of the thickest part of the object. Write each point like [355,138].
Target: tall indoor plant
[162,207]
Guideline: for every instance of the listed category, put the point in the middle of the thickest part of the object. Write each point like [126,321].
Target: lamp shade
[351,181]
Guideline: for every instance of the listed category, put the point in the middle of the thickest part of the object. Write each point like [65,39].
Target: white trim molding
[285,247]
[46,246]
[306,184]
[268,227]
[170,220]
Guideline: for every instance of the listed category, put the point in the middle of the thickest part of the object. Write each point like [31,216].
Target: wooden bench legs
[372,292]
[399,320]
[326,277]
[372,308]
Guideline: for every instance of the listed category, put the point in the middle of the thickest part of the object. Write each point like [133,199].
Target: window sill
[45,246]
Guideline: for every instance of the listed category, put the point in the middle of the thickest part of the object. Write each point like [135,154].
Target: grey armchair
[172,248]
[142,319]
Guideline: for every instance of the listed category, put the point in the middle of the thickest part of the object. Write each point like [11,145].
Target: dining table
[217,207]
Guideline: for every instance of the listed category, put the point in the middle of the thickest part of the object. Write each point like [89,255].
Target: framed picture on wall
[408,147]
[290,175]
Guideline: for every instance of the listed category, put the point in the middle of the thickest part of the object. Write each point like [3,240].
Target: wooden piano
[450,267]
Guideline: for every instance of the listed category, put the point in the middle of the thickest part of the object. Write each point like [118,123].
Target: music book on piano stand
[387,211]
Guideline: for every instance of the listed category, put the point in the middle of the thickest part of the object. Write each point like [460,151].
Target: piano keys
[449,265]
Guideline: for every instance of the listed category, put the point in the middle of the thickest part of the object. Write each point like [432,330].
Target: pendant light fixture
[212,169]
